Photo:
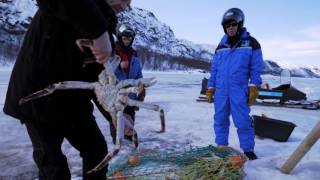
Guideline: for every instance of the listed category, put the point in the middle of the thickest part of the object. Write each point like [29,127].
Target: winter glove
[101,48]
[124,65]
[209,94]
[253,94]
[142,95]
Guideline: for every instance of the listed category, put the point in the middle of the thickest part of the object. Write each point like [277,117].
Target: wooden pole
[302,149]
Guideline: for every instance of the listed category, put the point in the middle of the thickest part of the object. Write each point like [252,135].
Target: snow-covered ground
[188,123]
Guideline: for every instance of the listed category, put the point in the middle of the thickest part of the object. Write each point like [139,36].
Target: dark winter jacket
[49,53]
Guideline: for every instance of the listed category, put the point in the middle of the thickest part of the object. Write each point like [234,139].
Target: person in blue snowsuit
[129,68]
[235,76]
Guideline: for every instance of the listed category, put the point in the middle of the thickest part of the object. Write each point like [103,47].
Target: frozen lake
[188,123]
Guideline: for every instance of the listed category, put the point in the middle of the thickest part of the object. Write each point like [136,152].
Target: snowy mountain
[158,46]
[271,67]
[155,42]
[15,16]
[159,37]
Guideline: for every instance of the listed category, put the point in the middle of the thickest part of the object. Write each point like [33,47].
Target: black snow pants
[50,127]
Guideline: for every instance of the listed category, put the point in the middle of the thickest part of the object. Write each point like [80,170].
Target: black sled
[275,129]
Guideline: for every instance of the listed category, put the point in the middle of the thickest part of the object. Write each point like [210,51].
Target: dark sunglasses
[126,38]
[231,25]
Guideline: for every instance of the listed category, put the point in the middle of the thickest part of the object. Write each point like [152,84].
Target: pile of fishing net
[193,163]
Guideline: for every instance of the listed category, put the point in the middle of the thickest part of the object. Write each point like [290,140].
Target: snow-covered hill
[15,16]
[159,37]
[155,42]
[158,47]
[273,68]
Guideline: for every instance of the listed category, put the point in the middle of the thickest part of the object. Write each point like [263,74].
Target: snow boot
[251,155]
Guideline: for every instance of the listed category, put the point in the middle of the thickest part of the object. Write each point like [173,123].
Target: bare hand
[101,48]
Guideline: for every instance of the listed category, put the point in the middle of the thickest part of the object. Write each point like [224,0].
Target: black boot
[251,155]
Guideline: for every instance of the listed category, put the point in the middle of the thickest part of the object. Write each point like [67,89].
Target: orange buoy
[236,161]
[117,175]
[134,160]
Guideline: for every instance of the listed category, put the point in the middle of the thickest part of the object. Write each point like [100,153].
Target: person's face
[126,40]
[119,5]
[231,28]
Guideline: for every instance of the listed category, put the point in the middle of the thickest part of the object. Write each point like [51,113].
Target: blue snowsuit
[231,70]
[135,72]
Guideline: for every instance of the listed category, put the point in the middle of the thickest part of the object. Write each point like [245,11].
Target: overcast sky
[288,30]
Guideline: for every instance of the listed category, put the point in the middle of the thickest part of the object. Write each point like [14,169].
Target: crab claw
[113,62]
[51,88]
[147,82]
[44,92]
[81,43]
[140,88]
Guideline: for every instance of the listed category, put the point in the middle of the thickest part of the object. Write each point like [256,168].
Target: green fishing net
[189,164]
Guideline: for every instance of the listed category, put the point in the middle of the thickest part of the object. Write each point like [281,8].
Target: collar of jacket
[244,36]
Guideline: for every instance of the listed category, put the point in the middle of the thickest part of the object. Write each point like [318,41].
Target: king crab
[112,94]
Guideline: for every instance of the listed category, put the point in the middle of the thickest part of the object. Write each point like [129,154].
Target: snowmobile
[285,95]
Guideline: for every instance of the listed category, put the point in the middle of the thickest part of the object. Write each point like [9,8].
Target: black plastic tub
[272,128]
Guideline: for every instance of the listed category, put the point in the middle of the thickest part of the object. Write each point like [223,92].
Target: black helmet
[125,30]
[233,14]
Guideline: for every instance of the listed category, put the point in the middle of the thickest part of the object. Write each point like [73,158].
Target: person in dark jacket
[235,76]
[129,68]
[49,55]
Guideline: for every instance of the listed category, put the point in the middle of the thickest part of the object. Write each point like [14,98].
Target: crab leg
[124,92]
[120,127]
[150,107]
[115,151]
[136,82]
[106,159]
[81,43]
[130,124]
[61,85]
[114,63]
